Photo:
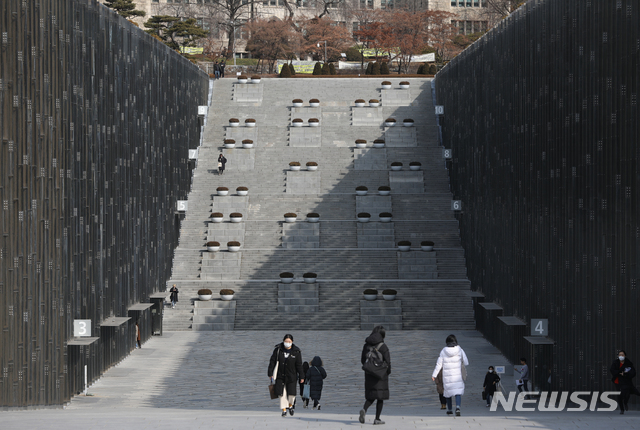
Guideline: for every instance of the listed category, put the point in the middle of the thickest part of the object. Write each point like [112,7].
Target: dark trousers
[625,394]
[379,405]
[524,387]
[443,399]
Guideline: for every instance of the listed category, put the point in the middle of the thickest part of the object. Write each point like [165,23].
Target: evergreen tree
[421,70]
[369,68]
[332,69]
[384,68]
[433,69]
[285,72]
[292,69]
[174,32]
[375,69]
[317,69]
[124,8]
[325,69]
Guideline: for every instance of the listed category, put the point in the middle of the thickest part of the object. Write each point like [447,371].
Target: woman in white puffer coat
[450,361]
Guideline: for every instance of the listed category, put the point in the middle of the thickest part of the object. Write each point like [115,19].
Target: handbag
[219,164]
[463,369]
[484,395]
[272,387]
[272,391]
[306,393]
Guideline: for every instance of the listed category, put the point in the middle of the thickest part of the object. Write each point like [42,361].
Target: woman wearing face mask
[623,371]
[490,384]
[284,367]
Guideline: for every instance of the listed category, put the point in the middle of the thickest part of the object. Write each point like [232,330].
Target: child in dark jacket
[315,376]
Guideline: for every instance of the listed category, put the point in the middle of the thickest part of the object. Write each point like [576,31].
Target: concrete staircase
[348,256]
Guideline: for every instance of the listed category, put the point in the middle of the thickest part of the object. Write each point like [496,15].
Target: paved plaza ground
[201,380]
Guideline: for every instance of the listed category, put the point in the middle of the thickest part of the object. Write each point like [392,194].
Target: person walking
[138,344]
[222,161]
[375,389]
[222,66]
[451,361]
[623,372]
[305,400]
[315,376]
[524,376]
[174,296]
[490,384]
[216,70]
[440,390]
[285,369]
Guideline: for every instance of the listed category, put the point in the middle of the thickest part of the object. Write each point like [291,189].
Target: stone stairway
[348,256]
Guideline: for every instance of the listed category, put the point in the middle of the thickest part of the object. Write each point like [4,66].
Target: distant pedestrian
[524,376]
[305,400]
[138,344]
[375,389]
[314,377]
[440,390]
[451,361]
[222,161]
[174,296]
[490,384]
[222,66]
[285,370]
[216,70]
[623,372]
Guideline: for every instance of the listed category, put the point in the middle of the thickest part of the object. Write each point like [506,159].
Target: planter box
[312,168]
[370,297]
[250,124]
[286,280]
[408,124]
[309,280]
[297,124]
[361,193]
[235,220]
[234,248]
[227,297]
[242,192]
[314,104]
[216,219]
[229,145]
[404,248]
[243,81]
[389,124]
[383,193]
[204,298]
[298,104]
[378,145]
[414,168]
[223,193]
[314,124]
[213,248]
[295,168]
[374,104]
[385,219]
[234,124]
[361,145]
[404,87]
[427,248]
[313,219]
[396,168]
[386,87]
[290,219]
[389,297]
[363,219]
[247,145]
[255,81]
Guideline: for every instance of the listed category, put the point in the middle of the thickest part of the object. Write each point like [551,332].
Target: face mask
[621,358]
[287,344]
[490,371]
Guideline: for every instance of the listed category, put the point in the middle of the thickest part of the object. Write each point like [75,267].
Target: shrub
[396,163]
[374,101]
[364,215]
[407,120]
[313,215]
[247,141]
[378,141]
[242,189]
[314,101]
[325,69]
[421,70]
[292,69]
[369,67]
[242,77]
[233,243]
[415,163]
[311,163]
[353,54]
[249,120]
[229,141]
[390,120]
[226,292]
[360,101]
[404,243]
[298,120]
[285,72]
[386,83]
[222,189]
[213,243]
[375,69]
[255,77]
[309,275]
[332,69]
[362,188]
[294,163]
[426,243]
[290,215]
[216,215]
[389,292]
[234,120]
[433,69]
[317,69]
[385,215]
[361,141]
[204,292]
[384,188]
[314,120]
[404,83]
[286,275]
[236,215]
[370,291]
[297,101]
[384,68]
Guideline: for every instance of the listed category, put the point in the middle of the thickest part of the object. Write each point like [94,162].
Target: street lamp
[325,49]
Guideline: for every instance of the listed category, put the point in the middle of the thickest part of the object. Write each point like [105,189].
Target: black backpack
[374,363]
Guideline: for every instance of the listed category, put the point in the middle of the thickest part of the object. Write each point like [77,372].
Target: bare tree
[501,8]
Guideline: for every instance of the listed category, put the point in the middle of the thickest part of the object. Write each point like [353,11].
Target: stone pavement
[201,380]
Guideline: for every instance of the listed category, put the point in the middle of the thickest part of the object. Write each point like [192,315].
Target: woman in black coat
[490,384]
[174,296]
[222,161]
[375,389]
[284,367]
[623,372]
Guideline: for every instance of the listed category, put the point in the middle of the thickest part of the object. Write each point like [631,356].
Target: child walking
[315,376]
